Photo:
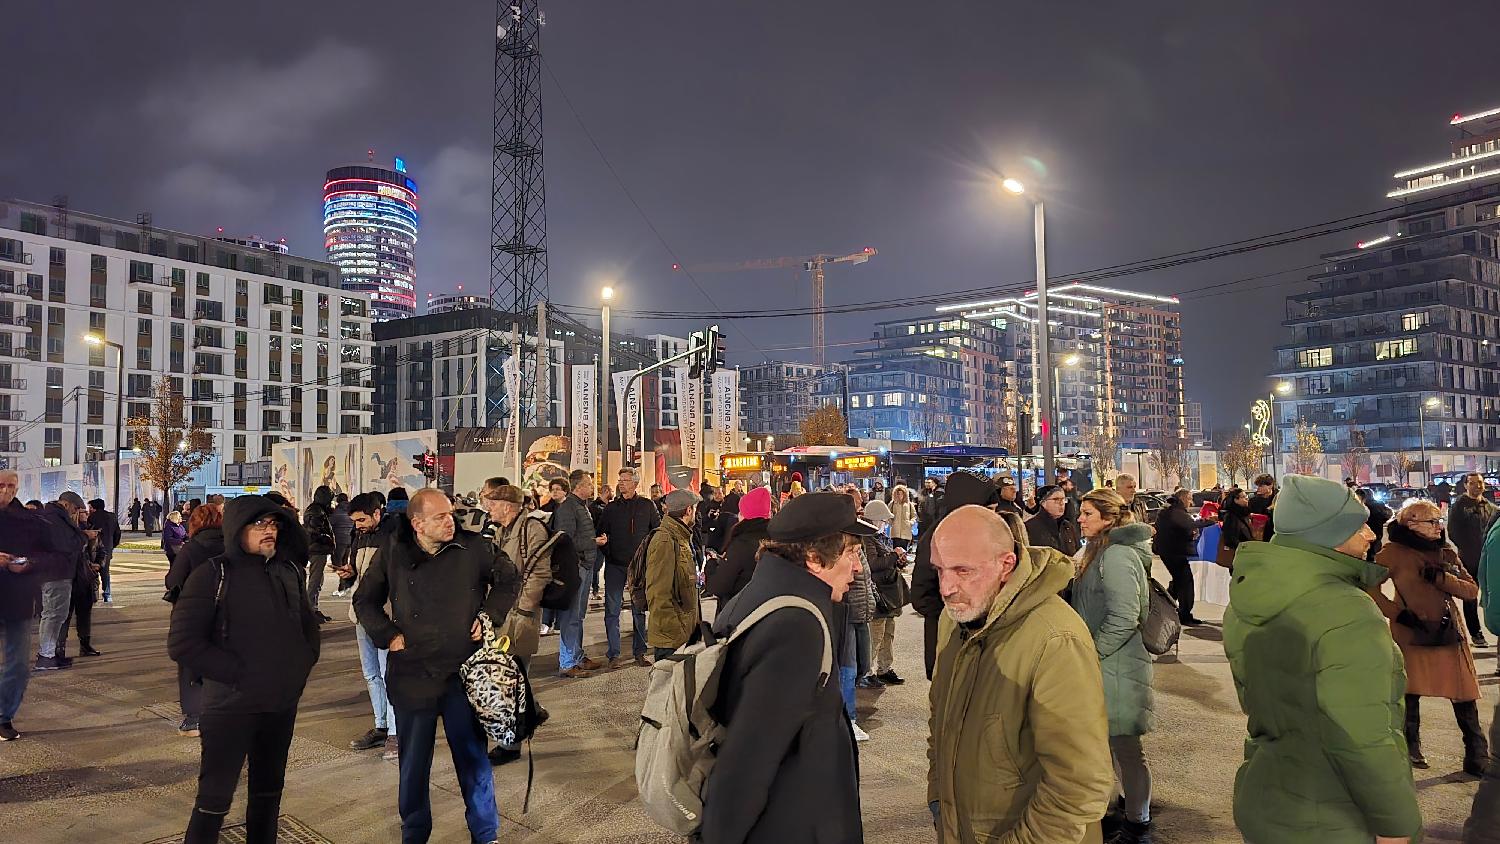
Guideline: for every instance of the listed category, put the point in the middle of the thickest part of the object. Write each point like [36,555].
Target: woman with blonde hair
[903,514]
[1428,626]
[1110,593]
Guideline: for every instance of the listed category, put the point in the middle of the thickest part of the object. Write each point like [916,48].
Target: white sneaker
[546,630]
[859,735]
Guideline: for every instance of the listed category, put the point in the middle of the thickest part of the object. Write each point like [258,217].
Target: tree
[171,448]
[1104,447]
[1307,449]
[825,426]
[1405,465]
[1169,459]
[1356,460]
[1240,458]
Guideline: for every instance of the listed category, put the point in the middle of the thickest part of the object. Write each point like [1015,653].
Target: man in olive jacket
[1320,679]
[1018,750]
[672,612]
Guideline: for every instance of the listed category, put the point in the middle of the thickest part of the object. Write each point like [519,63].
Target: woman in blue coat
[1111,595]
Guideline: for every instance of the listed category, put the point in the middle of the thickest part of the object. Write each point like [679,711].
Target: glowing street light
[1431,403]
[1042,333]
[601,392]
[1014,186]
[99,340]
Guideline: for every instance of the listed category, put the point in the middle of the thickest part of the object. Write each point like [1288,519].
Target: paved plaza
[100,758]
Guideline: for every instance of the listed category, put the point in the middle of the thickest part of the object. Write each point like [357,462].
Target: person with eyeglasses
[1051,527]
[1428,627]
[243,623]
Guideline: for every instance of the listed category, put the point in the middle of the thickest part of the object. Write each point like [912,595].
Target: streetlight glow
[1013,185]
[607,293]
[93,339]
[1071,360]
[1284,388]
[1433,402]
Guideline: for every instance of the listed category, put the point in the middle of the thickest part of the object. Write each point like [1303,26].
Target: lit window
[893,399]
[1412,322]
[1387,349]
[1310,358]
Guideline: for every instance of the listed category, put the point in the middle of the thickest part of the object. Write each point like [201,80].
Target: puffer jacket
[671,586]
[884,566]
[903,515]
[1322,684]
[1112,599]
[860,599]
[1018,743]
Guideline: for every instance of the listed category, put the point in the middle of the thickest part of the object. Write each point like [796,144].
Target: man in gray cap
[672,612]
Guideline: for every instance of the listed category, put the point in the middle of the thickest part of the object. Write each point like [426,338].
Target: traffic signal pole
[696,347]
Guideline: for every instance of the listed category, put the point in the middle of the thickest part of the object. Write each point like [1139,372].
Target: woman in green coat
[1110,594]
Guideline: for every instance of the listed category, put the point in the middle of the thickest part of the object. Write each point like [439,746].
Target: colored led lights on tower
[370,230]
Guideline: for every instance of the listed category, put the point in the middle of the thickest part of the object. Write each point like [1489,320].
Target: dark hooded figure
[243,624]
[962,488]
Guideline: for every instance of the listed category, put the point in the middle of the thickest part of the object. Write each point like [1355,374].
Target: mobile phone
[20,561]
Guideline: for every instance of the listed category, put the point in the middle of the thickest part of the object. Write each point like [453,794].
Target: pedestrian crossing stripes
[137,565]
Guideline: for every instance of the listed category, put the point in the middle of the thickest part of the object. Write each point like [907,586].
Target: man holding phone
[22,535]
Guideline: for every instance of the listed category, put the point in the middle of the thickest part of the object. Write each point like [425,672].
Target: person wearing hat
[672,613]
[725,577]
[890,594]
[787,753]
[64,570]
[1319,678]
[1008,501]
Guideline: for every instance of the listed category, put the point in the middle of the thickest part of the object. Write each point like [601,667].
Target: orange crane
[813,264]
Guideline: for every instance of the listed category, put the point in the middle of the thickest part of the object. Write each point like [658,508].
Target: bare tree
[1241,458]
[1307,449]
[1405,464]
[171,448]
[1169,458]
[825,426]
[1104,445]
[1356,460]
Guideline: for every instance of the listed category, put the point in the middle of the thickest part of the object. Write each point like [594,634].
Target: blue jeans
[467,744]
[372,663]
[846,685]
[15,666]
[570,640]
[614,599]
[104,560]
[57,599]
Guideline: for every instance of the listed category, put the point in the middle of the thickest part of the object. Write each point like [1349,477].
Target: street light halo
[1013,186]
[1433,402]
[607,293]
[1284,387]
[93,339]
[1071,360]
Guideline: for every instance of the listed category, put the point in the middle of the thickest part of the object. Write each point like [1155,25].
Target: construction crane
[813,264]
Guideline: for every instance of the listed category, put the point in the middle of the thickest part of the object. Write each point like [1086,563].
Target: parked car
[1399,495]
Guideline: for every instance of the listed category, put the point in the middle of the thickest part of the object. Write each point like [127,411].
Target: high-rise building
[776,396]
[262,345]
[370,230]
[442,303]
[1393,353]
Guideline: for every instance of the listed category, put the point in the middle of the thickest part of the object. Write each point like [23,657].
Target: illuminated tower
[370,230]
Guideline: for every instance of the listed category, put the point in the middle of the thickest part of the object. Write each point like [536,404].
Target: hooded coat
[963,488]
[1018,746]
[1447,671]
[1058,534]
[255,644]
[1322,685]
[1112,598]
[724,578]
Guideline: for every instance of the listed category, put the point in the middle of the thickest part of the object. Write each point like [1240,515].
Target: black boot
[261,811]
[1113,818]
[1414,732]
[203,827]
[86,649]
[1476,747]
[1133,832]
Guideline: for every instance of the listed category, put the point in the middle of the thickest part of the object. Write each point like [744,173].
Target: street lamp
[1284,388]
[606,295]
[1431,403]
[98,340]
[1043,333]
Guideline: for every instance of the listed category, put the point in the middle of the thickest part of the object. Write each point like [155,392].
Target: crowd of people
[1342,617]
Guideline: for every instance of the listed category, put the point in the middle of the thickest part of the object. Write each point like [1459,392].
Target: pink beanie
[756,504]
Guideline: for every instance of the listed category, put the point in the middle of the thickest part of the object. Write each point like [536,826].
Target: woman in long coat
[1111,596]
[1428,577]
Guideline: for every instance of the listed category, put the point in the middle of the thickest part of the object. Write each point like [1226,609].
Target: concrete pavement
[100,756]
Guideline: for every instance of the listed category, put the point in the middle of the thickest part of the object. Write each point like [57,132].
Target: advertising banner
[690,416]
[512,372]
[726,405]
[628,409]
[583,407]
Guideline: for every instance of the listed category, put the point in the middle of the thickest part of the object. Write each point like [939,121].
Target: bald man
[1019,741]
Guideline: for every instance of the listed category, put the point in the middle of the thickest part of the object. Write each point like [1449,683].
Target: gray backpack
[679,740]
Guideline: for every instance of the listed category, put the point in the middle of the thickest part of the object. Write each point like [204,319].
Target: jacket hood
[1130,534]
[966,488]
[291,542]
[1040,574]
[1269,576]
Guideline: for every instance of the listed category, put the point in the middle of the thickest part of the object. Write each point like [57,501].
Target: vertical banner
[583,408]
[726,398]
[626,408]
[543,393]
[512,371]
[690,416]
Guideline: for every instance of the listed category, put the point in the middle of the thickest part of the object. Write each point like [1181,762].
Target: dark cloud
[767,129]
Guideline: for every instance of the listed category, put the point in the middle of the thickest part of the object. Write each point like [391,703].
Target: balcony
[12,447]
[18,322]
[357,407]
[275,400]
[12,383]
[209,314]
[277,302]
[149,281]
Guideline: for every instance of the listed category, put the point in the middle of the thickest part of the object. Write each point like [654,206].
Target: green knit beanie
[1319,511]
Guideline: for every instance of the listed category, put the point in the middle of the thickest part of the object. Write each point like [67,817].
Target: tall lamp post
[1431,403]
[1043,362]
[606,295]
[1285,389]
[98,340]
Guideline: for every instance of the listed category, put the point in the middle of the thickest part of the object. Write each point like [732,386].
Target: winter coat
[929,510]
[1379,515]
[1234,525]
[884,566]
[343,527]
[68,546]
[903,514]
[320,536]
[255,644]
[1489,578]
[1468,522]
[199,549]
[1058,534]
[671,586]
[1446,671]
[724,578]
[860,599]
[626,521]
[572,517]
[1175,533]
[1264,506]
[787,770]
[434,600]
[1018,740]
[1483,825]
[963,488]
[525,543]
[1112,598]
[23,533]
[172,537]
[1322,684]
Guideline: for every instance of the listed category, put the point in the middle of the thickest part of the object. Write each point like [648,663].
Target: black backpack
[563,588]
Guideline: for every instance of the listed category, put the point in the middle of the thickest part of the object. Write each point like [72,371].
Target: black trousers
[81,613]
[228,740]
[1182,585]
[929,642]
[189,693]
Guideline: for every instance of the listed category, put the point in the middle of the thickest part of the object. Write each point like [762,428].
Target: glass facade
[370,230]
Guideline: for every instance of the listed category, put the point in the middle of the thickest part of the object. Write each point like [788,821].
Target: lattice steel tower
[518,232]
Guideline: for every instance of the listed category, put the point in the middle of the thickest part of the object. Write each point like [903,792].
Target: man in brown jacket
[1019,745]
[671,577]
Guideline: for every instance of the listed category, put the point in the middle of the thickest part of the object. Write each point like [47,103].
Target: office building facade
[370,223]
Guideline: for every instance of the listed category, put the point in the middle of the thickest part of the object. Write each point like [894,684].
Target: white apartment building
[263,346]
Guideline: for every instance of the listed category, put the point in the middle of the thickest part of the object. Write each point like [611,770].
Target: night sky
[757,130]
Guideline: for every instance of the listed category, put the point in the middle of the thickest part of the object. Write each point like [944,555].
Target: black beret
[816,515]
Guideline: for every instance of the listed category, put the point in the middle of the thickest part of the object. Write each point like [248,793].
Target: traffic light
[429,465]
[716,350]
[419,462]
[698,342]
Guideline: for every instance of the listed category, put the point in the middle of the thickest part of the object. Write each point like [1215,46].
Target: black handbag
[1439,634]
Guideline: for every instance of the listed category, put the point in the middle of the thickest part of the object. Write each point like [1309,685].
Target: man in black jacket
[23,537]
[963,488]
[787,770]
[321,544]
[572,517]
[243,624]
[624,524]
[63,569]
[108,525]
[1469,519]
[1173,542]
[437,579]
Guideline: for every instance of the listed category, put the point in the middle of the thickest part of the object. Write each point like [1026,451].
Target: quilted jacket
[1111,597]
